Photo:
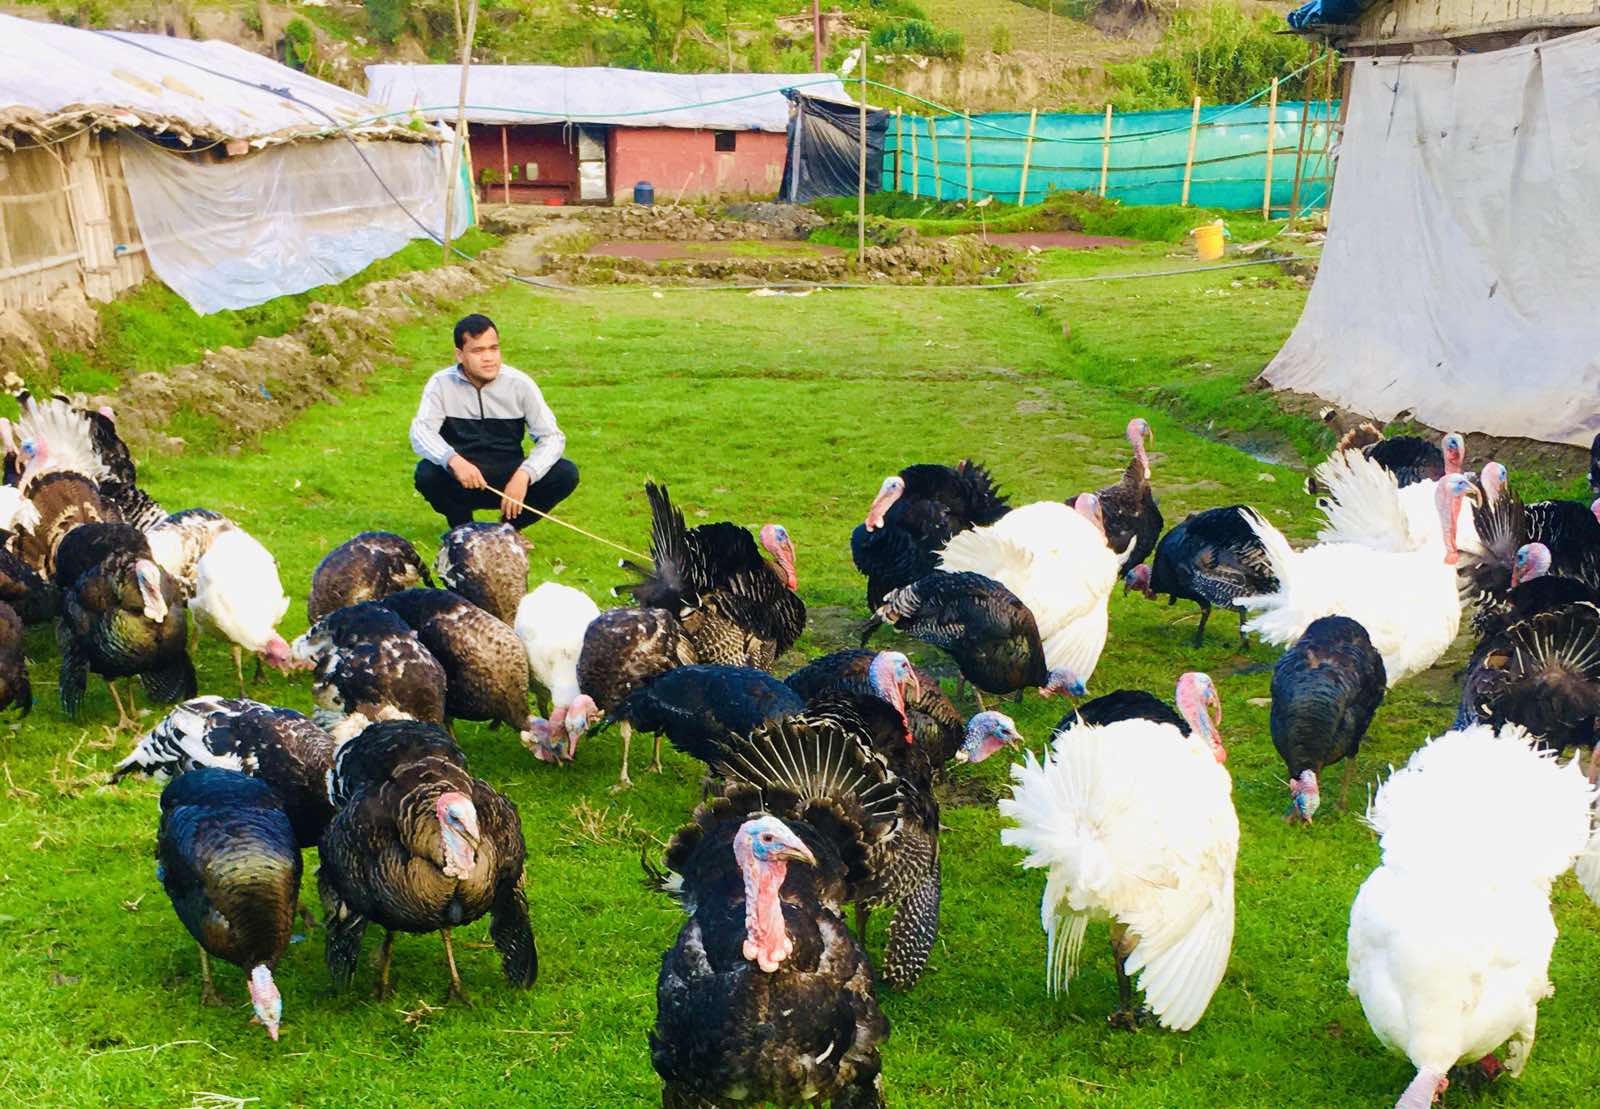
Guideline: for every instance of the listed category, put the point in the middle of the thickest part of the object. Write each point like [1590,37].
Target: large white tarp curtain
[1461,275]
[238,232]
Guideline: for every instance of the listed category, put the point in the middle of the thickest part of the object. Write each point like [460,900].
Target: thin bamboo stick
[1105,152]
[1027,157]
[938,177]
[899,153]
[1188,161]
[966,118]
[1272,140]
[916,162]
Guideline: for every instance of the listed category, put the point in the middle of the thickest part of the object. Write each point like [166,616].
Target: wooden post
[1105,152]
[461,128]
[1272,140]
[1299,161]
[1027,158]
[861,170]
[816,36]
[1188,161]
[1327,138]
[505,164]
[916,162]
[967,119]
[938,177]
[899,154]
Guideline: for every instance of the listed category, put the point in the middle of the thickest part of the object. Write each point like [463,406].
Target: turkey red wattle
[889,675]
[1138,430]
[1197,698]
[775,540]
[762,847]
[458,829]
[1447,498]
[148,575]
[889,492]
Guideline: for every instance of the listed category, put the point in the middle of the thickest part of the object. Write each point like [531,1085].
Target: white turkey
[550,622]
[1371,567]
[1134,822]
[239,596]
[1450,938]
[1055,559]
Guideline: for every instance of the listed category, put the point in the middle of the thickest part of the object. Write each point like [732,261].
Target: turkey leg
[1200,632]
[456,990]
[238,668]
[623,781]
[1127,1017]
[208,991]
[385,957]
[124,720]
[655,763]
[863,914]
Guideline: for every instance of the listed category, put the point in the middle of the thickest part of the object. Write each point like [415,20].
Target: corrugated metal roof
[55,79]
[629,97]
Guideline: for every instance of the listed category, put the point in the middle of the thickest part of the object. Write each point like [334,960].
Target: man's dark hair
[471,327]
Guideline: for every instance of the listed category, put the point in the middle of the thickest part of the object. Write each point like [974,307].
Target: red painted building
[550,134]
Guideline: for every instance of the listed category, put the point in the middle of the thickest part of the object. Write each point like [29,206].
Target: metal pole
[461,126]
[861,180]
[1188,162]
[1272,141]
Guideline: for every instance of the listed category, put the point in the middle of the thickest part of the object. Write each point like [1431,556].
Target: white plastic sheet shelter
[1461,275]
[526,94]
[239,232]
[54,78]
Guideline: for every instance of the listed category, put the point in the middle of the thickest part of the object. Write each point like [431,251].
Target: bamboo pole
[1027,158]
[816,36]
[1272,140]
[461,127]
[916,162]
[1327,137]
[505,164]
[966,118]
[1188,161]
[1299,161]
[861,170]
[938,177]
[899,153]
[1105,152]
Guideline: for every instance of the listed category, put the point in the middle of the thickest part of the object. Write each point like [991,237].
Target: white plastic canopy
[1461,272]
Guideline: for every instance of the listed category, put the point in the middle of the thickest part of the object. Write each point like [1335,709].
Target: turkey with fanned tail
[936,725]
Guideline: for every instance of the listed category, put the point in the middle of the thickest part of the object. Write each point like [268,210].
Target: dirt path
[660,251]
[1063,240]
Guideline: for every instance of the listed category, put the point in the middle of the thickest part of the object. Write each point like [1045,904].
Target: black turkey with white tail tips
[1132,520]
[937,726]
[368,567]
[1212,558]
[1325,690]
[227,857]
[914,515]
[982,625]
[277,745]
[420,845]
[487,564]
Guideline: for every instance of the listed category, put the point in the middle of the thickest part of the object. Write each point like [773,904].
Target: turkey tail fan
[173,682]
[512,933]
[178,739]
[1502,528]
[1278,554]
[131,504]
[66,434]
[1364,504]
[74,680]
[670,584]
[1544,674]
[985,501]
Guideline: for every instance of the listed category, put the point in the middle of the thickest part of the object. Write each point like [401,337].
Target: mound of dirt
[656,222]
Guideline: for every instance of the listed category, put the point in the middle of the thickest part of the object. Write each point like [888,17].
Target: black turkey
[1132,520]
[1594,466]
[1213,558]
[1504,525]
[1410,458]
[1544,674]
[367,568]
[365,659]
[736,608]
[277,745]
[485,667]
[700,708]
[914,515]
[982,625]
[1325,690]
[419,845]
[15,689]
[623,649]
[936,725]
[1123,704]
[227,857]
[487,564]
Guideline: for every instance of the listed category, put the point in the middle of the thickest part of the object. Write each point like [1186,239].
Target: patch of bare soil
[1061,240]
[651,251]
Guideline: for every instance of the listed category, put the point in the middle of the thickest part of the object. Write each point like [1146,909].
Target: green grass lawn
[752,409]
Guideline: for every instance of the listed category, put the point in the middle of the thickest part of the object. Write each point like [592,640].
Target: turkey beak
[796,852]
[880,505]
[913,684]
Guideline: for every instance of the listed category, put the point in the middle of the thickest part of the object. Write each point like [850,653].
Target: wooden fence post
[1105,152]
[460,150]
[916,162]
[1272,141]
[1188,161]
[899,155]
[861,180]
[1299,161]
[967,119]
[1027,158]
[938,178]
[505,165]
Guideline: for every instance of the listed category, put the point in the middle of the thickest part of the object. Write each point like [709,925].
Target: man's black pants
[456,504]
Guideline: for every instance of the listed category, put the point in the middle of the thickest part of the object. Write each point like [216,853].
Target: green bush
[387,18]
[1217,53]
[917,36]
[299,43]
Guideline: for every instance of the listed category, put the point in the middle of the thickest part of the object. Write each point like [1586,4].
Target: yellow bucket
[1208,241]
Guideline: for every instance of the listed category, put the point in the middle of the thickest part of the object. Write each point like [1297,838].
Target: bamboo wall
[66,218]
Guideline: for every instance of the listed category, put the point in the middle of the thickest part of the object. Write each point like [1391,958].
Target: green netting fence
[1144,159]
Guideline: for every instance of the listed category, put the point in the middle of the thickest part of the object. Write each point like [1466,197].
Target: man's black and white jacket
[486,425]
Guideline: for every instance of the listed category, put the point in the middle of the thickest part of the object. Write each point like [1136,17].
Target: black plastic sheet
[825,149]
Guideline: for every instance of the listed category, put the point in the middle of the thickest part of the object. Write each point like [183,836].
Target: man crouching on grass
[468,432]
